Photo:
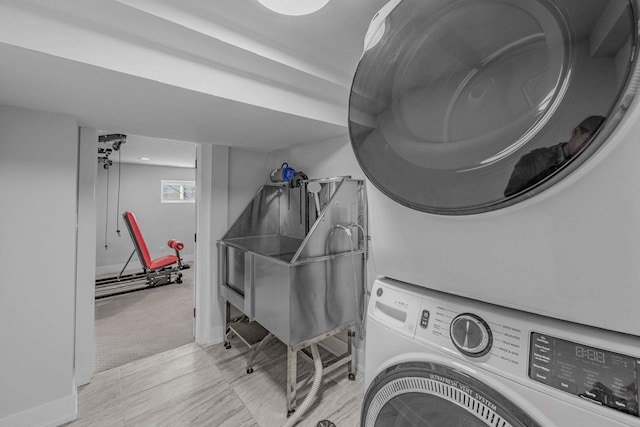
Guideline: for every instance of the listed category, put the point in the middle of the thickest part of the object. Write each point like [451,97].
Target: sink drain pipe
[317,381]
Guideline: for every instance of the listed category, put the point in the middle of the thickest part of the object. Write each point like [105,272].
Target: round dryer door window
[427,394]
[465,106]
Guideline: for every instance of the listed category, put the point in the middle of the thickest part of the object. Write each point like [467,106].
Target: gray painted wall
[39,163]
[159,222]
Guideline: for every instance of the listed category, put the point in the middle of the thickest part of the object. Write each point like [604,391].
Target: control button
[424,319]
[542,368]
[471,335]
[542,358]
[542,339]
[565,385]
[541,373]
[541,348]
[541,377]
[620,404]
[379,292]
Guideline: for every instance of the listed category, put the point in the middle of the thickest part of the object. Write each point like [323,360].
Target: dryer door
[427,394]
[449,96]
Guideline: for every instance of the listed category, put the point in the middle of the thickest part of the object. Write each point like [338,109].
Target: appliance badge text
[465,389]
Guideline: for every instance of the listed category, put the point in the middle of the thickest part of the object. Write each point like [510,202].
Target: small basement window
[172,191]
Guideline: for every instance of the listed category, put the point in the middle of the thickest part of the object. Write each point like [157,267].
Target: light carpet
[143,323]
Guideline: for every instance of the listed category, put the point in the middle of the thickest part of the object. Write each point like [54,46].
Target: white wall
[38,167]
[248,170]
[159,222]
[326,159]
[85,351]
[212,212]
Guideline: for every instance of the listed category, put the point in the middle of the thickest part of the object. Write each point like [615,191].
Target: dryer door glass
[448,97]
[415,409]
[428,394]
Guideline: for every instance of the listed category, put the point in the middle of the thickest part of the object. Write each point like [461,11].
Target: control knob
[471,335]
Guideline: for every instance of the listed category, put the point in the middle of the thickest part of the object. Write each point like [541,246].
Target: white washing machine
[501,142]
[434,359]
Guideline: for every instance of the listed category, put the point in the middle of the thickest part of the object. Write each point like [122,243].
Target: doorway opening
[154,179]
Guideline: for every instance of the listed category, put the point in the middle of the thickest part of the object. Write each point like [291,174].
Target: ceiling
[222,72]
[149,151]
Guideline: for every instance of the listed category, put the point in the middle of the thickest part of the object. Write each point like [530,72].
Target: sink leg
[351,366]
[227,321]
[292,378]
[257,350]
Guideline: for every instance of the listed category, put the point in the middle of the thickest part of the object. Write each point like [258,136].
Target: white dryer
[434,359]
[450,96]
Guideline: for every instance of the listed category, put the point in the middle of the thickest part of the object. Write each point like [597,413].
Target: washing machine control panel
[594,369]
[597,375]
[484,337]
[397,309]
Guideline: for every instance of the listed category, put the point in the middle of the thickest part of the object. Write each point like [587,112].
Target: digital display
[596,375]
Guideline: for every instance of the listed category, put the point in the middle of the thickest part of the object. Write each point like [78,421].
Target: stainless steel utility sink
[294,260]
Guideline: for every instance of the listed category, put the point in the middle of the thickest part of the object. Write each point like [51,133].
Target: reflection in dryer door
[447,100]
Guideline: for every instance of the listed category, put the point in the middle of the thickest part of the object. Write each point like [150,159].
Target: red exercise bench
[157,267]
[148,264]
[163,270]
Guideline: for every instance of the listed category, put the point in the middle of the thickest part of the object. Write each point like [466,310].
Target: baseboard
[211,336]
[48,415]
[84,377]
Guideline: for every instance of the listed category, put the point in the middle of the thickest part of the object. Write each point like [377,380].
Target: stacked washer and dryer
[501,142]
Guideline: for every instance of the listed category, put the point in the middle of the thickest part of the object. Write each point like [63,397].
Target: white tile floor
[194,386]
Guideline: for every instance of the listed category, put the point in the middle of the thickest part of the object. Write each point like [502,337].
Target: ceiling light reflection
[294,7]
